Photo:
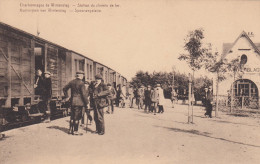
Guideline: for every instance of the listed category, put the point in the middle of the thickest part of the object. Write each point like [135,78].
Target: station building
[246,82]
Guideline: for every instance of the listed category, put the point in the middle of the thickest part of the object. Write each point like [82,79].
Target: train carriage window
[90,72]
[81,65]
[76,65]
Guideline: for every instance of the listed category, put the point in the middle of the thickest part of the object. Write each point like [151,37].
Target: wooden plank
[9,89]
[45,56]
[3,80]
[15,59]
[3,43]
[32,46]
[21,102]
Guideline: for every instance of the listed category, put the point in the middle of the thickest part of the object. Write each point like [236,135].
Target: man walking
[78,101]
[208,101]
[100,94]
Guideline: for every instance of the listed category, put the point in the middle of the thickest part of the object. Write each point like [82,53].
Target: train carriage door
[39,64]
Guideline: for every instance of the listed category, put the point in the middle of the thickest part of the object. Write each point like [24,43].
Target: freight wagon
[21,54]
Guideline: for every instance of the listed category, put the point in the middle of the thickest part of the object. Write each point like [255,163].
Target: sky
[138,35]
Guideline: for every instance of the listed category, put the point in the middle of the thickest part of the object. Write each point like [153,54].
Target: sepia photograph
[129,81]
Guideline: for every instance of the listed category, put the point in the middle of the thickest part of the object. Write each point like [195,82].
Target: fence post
[242,105]
[231,98]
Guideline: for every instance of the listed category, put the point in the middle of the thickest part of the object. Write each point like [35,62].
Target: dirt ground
[133,136]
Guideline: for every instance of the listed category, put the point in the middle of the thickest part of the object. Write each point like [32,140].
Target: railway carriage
[21,54]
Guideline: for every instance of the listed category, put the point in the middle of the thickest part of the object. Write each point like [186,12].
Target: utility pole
[189,99]
[216,111]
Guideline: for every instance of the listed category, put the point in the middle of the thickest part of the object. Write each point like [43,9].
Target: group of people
[87,96]
[97,95]
[152,99]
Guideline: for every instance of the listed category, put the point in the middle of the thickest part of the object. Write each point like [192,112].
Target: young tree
[193,45]
[194,57]
[234,66]
[212,64]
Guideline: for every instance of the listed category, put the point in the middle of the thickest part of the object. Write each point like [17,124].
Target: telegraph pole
[189,99]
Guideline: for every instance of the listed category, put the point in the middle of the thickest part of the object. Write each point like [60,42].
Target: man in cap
[47,94]
[100,94]
[78,101]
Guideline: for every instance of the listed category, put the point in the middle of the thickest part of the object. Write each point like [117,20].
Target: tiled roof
[226,47]
[257,45]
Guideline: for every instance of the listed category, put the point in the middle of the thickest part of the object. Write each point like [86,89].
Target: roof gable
[227,47]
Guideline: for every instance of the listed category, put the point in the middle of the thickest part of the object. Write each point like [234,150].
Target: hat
[47,72]
[98,76]
[109,84]
[80,72]
[158,85]
[28,105]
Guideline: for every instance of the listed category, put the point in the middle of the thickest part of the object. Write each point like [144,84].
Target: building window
[245,87]
[243,59]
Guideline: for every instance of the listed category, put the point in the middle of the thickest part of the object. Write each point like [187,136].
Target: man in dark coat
[47,94]
[78,101]
[111,97]
[147,99]
[209,102]
[100,94]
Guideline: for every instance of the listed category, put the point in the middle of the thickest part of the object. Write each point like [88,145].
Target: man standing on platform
[100,94]
[47,94]
[78,101]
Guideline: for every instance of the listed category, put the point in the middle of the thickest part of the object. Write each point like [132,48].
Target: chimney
[250,34]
